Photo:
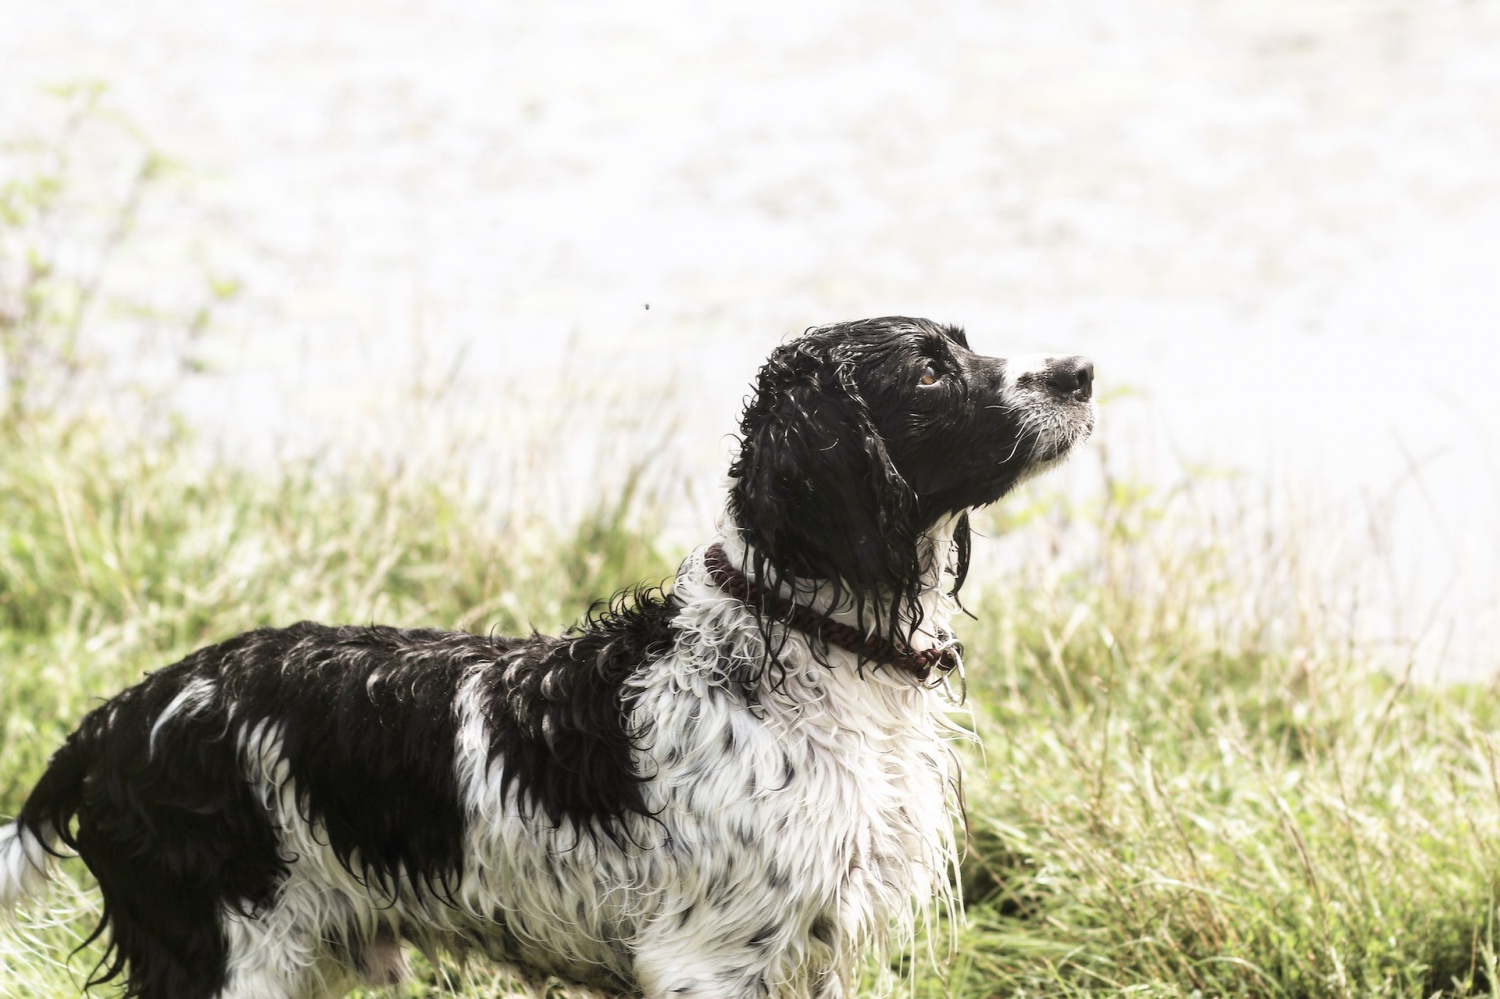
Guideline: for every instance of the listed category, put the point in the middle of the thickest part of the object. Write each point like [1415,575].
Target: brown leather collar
[805,619]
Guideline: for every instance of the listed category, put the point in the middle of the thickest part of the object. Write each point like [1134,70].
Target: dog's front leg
[695,956]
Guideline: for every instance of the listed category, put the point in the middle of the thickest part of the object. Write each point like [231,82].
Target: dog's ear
[815,490]
[962,541]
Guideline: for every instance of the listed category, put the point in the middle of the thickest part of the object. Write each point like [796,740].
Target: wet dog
[737,787]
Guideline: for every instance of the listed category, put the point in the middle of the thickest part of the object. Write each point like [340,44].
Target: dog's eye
[929,375]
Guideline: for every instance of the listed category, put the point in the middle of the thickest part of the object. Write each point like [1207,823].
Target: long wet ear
[962,539]
[815,490]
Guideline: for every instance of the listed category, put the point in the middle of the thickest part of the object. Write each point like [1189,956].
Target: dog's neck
[935,597]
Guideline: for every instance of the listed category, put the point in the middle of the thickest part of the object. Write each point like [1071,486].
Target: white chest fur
[801,827]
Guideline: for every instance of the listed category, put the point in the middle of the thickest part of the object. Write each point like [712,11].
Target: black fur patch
[172,836]
[367,728]
[556,713]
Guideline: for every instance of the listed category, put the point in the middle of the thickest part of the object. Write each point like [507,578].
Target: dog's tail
[28,844]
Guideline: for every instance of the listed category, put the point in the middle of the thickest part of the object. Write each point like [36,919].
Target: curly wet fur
[681,797]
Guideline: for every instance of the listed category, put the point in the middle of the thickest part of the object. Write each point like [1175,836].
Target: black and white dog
[737,788]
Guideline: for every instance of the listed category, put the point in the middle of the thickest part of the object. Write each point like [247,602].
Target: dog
[735,788]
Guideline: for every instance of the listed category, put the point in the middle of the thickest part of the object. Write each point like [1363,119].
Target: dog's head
[862,437]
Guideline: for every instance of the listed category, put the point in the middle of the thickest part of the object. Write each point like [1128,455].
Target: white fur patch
[194,696]
[801,831]
[24,866]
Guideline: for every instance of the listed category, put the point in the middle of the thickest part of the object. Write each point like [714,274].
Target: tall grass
[1194,780]
[1189,789]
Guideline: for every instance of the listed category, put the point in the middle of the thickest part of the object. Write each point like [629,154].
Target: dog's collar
[847,637]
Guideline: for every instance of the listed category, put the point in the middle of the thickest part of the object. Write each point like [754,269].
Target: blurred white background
[1276,223]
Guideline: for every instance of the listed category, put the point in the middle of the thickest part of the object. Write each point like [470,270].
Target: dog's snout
[1072,377]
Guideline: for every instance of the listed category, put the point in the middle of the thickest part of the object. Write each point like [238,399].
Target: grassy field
[1188,785]
[1193,780]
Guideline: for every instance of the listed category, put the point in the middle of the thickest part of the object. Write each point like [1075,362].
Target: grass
[1175,805]
[1194,780]
[1189,783]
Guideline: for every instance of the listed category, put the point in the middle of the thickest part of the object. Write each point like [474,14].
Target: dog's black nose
[1072,377]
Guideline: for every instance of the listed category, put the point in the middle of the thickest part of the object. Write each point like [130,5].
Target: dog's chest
[818,813]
